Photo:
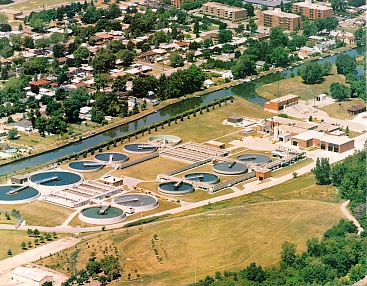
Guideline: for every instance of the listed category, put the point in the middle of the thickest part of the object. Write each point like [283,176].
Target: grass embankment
[40,213]
[305,91]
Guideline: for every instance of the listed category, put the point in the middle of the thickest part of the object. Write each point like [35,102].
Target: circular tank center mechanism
[140,148]
[85,166]
[175,188]
[202,177]
[111,157]
[230,168]
[254,158]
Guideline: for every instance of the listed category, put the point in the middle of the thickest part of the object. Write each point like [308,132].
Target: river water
[246,90]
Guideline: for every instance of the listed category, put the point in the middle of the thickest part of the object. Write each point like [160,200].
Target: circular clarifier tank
[140,148]
[230,168]
[102,215]
[17,194]
[136,202]
[176,188]
[51,180]
[85,166]
[169,140]
[202,177]
[254,158]
[111,157]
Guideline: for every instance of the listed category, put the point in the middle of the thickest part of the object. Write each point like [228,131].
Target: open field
[340,109]
[41,213]
[201,241]
[305,91]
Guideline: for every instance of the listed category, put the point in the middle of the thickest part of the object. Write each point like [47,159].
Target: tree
[224,36]
[42,43]
[80,54]
[190,56]
[23,245]
[322,171]
[126,56]
[345,64]
[280,57]
[331,23]
[277,38]
[28,42]
[104,61]
[339,91]
[13,134]
[119,83]
[250,9]
[251,26]
[311,73]
[244,67]
[288,253]
[176,60]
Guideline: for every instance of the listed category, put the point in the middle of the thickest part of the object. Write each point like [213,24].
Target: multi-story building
[223,11]
[312,11]
[274,18]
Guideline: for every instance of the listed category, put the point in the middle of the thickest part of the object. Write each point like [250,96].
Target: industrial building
[275,18]
[223,11]
[30,276]
[312,11]
[278,104]
[311,138]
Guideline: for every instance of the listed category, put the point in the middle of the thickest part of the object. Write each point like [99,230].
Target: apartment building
[223,11]
[274,18]
[312,11]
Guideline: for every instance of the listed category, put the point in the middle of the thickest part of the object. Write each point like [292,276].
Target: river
[246,90]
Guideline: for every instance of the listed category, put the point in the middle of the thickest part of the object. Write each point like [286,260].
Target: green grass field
[340,109]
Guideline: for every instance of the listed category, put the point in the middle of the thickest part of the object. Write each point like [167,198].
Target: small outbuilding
[234,119]
[320,97]
[355,109]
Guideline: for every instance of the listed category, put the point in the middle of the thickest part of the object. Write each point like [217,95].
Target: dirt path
[349,216]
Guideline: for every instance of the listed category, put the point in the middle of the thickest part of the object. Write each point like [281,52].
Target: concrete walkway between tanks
[349,216]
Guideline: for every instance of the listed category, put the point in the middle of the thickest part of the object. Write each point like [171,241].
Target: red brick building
[312,11]
[278,104]
[311,138]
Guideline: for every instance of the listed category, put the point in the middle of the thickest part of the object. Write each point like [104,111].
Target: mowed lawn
[290,85]
[41,213]
[227,239]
